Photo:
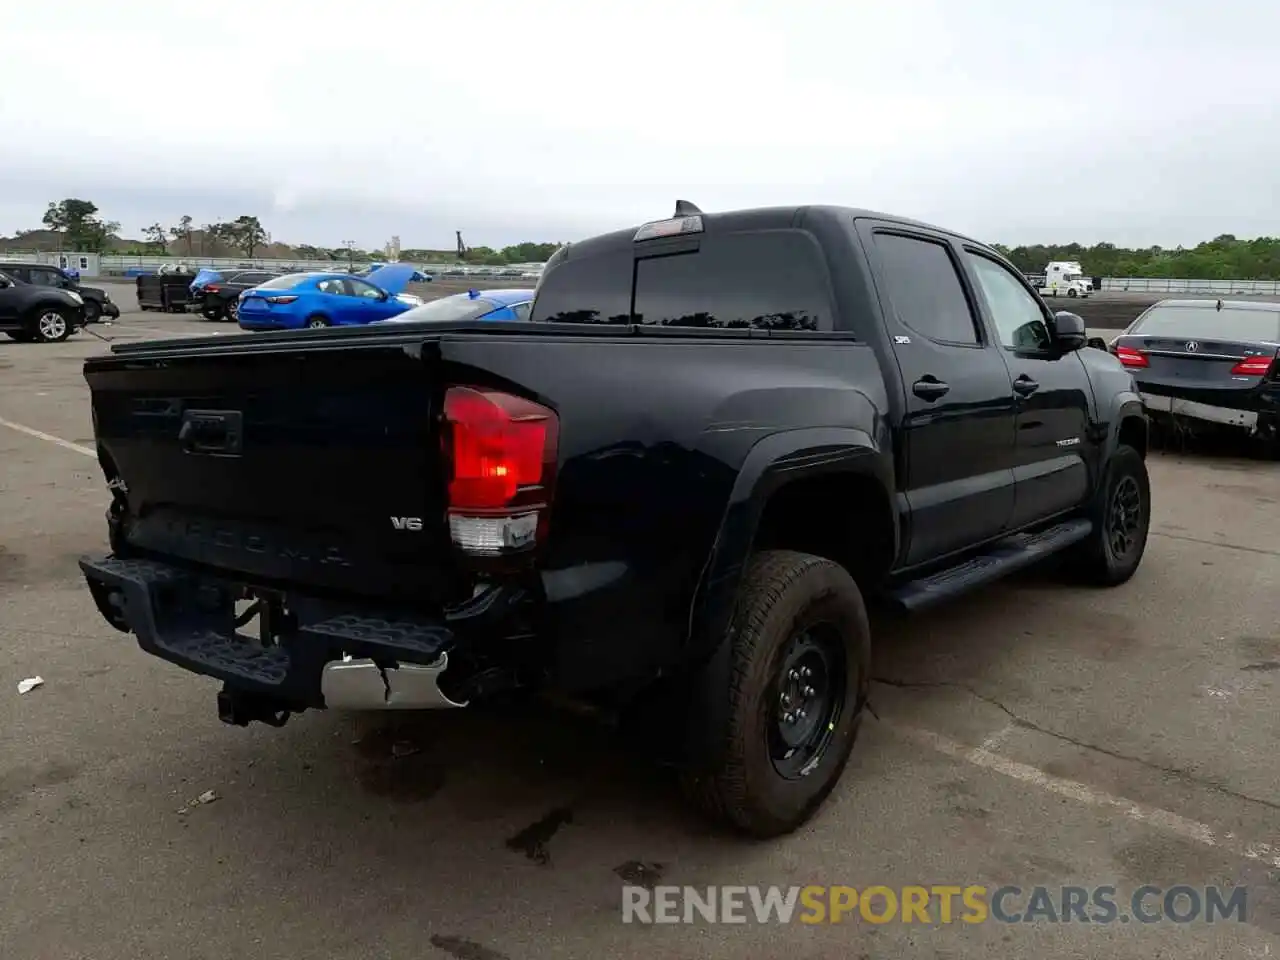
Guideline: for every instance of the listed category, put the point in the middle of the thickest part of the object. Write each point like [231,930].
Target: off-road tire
[782,593]
[1095,559]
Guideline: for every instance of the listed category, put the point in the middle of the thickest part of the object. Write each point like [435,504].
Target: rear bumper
[1255,410]
[1177,406]
[325,655]
[259,321]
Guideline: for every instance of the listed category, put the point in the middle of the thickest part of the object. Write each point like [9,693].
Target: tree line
[1223,258]
[81,227]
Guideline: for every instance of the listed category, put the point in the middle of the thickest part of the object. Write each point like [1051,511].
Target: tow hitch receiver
[240,709]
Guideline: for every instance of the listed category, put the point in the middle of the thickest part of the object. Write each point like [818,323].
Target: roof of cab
[758,218]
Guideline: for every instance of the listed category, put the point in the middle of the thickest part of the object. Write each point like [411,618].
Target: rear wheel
[51,325]
[317,322]
[1121,515]
[211,312]
[1071,292]
[788,711]
[233,311]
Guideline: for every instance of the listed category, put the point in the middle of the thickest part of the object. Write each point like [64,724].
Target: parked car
[418,275]
[97,302]
[1204,366]
[217,297]
[472,305]
[667,494]
[37,312]
[327,299]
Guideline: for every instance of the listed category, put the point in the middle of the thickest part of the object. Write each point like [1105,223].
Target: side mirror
[1069,332]
[1097,343]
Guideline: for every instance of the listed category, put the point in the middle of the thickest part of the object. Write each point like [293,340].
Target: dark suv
[97,302]
[30,311]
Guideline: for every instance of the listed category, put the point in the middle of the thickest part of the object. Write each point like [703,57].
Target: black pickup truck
[673,488]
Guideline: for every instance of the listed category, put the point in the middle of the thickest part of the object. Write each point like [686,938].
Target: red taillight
[213,288]
[281,299]
[502,461]
[1253,367]
[1131,357]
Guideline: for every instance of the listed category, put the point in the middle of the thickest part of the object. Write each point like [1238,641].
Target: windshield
[446,309]
[1181,323]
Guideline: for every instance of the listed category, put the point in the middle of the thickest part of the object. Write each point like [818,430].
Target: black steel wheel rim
[808,698]
[1124,517]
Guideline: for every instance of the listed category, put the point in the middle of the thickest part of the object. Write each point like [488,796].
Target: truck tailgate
[304,466]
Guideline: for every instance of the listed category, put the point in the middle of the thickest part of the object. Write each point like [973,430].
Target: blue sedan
[473,305]
[327,299]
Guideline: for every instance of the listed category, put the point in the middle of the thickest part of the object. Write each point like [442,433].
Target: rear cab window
[769,279]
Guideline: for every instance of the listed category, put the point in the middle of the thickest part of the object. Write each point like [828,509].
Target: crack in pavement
[1177,772]
[1216,543]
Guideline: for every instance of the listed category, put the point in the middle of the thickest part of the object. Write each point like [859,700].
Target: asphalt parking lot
[1036,734]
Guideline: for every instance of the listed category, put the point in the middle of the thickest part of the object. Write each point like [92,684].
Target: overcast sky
[1134,121]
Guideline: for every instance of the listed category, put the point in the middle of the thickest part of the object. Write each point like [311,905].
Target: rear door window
[768,280]
[924,288]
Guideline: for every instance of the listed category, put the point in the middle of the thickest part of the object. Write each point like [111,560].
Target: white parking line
[49,437]
[1165,820]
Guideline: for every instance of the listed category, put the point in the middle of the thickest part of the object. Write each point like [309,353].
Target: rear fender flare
[771,464]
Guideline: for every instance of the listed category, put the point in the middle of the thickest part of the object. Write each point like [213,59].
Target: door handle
[1024,386]
[930,388]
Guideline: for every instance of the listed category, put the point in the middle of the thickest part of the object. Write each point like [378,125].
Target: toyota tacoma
[718,436]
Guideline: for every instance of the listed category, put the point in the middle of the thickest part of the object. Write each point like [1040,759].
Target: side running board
[999,560]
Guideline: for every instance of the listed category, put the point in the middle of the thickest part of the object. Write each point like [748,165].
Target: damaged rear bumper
[316,653]
[1210,413]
